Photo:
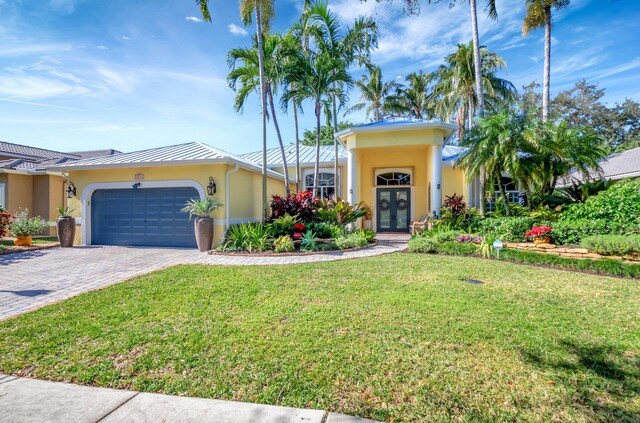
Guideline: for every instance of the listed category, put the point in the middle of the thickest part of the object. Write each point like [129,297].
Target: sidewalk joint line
[325,417]
[117,407]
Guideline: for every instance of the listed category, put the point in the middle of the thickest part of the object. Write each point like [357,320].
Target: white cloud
[63,6]
[193,19]
[117,80]
[124,37]
[27,87]
[615,70]
[237,30]
[111,128]
[101,47]
[27,49]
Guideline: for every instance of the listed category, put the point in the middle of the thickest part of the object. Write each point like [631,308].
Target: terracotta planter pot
[22,241]
[542,240]
[367,224]
[66,228]
[204,232]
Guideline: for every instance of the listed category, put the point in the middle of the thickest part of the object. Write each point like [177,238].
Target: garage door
[144,217]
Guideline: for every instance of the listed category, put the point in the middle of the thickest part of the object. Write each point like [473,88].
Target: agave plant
[64,211]
[201,207]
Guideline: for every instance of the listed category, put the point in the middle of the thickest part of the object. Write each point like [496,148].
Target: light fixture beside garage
[211,188]
[71,189]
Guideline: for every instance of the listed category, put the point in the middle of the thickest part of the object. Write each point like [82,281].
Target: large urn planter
[66,228]
[204,232]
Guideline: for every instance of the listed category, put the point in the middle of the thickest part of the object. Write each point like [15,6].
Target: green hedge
[603,266]
[506,228]
[612,245]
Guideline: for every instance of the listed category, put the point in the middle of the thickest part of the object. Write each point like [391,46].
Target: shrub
[303,204]
[22,225]
[251,237]
[352,240]
[445,236]
[511,229]
[368,234]
[612,245]
[284,244]
[5,221]
[321,229]
[571,232]
[341,212]
[423,245]
[469,239]
[283,225]
[455,203]
[308,242]
[620,205]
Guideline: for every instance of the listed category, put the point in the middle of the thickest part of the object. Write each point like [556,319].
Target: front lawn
[399,337]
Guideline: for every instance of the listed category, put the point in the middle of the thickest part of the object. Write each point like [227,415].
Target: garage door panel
[145,217]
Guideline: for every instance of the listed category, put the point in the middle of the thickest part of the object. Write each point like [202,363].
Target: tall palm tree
[539,15]
[412,100]
[454,85]
[320,79]
[262,11]
[353,46]
[244,79]
[379,97]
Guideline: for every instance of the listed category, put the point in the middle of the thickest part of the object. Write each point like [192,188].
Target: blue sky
[90,74]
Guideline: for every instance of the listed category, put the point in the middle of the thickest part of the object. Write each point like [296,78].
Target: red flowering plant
[539,232]
[5,220]
[298,229]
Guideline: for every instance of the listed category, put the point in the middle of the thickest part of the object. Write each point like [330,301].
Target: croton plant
[539,232]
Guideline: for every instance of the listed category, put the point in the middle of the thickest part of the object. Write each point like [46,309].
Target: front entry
[393,205]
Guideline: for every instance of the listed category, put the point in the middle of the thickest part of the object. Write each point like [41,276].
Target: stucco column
[436,178]
[351,176]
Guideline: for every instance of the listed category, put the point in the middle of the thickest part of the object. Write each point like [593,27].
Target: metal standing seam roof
[26,152]
[180,154]
[614,167]
[307,155]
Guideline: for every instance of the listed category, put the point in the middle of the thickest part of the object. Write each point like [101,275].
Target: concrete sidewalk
[30,400]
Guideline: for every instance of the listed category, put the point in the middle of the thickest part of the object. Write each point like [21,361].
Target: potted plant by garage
[23,228]
[66,226]
[202,209]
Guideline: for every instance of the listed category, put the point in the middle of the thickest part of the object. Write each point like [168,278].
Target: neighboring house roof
[614,167]
[173,155]
[307,155]
[396,124]
[8,149]
[452,152]
[95,153]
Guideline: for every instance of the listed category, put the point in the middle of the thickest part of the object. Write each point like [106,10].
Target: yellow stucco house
[400,168]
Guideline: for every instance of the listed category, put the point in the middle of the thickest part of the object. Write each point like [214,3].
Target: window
[326,184]
[510,188]
[393,178]
[3,197]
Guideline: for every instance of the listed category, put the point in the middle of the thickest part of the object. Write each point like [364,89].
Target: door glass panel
[402,209]
[384,209]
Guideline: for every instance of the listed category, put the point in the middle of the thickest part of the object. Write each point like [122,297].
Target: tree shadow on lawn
[603,380]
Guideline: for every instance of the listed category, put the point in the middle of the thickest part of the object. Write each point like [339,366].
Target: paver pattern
[30,280]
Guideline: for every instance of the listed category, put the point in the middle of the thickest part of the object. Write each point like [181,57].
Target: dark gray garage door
[144,216]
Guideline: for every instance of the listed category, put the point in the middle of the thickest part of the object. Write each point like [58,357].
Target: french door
[393,209]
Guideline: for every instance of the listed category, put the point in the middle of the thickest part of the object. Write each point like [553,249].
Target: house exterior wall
[245,201]
[454,182]
[342,170]
[19,193]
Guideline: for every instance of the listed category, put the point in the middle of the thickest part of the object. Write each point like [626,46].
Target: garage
[142,217]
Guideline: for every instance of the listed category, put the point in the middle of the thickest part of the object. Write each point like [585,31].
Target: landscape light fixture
[71,189]
[211,188]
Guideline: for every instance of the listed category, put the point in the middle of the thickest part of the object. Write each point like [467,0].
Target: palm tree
[244,79]
[263,11]
[454,89]
[494,148]
[379,97]
[412,100]
[319,78]
[354,46]
[539,15]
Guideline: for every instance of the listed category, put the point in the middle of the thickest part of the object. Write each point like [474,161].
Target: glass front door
[393,206]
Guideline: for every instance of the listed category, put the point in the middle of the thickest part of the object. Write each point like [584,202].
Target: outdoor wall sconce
[211,188]
[71,189]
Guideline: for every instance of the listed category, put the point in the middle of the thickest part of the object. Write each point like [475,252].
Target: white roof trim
[393,128]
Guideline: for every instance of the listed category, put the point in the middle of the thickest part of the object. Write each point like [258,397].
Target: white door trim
[88,191]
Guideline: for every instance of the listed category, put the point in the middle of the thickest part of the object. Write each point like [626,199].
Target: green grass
[36,241]
[399,337]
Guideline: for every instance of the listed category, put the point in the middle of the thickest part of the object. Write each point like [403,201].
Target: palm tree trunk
[470,111]
[287,189]
[335,146]
[263,103]
[476,58]
[547,65]
[295,126]
[316,171]
[503,194]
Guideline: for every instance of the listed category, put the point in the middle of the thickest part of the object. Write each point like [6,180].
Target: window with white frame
[3,195]
[326,183]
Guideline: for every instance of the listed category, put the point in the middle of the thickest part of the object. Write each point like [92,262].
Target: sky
[91,74]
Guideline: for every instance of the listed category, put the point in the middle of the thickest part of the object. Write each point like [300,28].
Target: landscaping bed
[294,253]
[7,247]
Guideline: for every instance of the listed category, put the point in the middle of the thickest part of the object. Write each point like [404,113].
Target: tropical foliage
[201,207]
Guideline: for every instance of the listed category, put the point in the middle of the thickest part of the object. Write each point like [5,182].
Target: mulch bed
[294,253]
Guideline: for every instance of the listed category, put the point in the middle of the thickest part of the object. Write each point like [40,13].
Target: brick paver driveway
[33,279]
